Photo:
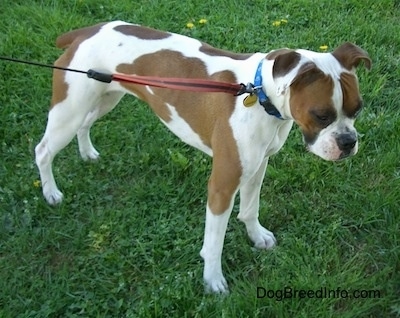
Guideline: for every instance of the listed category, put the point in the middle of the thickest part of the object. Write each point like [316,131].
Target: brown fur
[311,88]
[351,99]
[142,32]
[70,40]
[212,51]
[199,110]
[275,53]
[350,56]
[285,62]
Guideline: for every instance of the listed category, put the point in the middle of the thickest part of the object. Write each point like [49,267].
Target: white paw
[217,285]
[89,154]
[261,237]
[53,196]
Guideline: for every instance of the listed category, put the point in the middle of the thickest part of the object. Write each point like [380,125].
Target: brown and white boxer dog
[318,91]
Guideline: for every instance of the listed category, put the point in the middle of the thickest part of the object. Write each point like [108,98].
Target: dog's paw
[261,237]
[216,285]
[53,197]
[89,154]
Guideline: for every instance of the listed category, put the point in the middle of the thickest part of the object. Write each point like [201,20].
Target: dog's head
[323,96]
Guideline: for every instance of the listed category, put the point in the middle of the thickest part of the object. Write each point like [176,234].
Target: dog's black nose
[346,142]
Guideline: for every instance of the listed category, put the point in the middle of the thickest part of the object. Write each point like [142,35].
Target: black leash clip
[246,89]
[99,76]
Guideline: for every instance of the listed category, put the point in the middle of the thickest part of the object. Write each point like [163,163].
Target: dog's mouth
[346,154]
[336,155]
[335,146]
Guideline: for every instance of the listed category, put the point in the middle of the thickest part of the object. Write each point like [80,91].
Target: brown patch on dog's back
[141,32]
[66,39]
[164,63]
[199,110]
[71,41]
[351,99]
[212,51]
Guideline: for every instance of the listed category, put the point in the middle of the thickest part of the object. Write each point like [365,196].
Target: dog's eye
[323,118]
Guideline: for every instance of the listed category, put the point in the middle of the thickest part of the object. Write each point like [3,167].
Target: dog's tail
[65,40]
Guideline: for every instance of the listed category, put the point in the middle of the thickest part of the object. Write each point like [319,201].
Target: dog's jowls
[318,91]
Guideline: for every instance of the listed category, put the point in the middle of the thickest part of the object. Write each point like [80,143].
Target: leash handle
[98,76]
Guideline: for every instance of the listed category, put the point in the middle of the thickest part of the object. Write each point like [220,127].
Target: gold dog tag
[250,100]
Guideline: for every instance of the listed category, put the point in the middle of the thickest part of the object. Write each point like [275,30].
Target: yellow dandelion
[36,183]
[190,25]
[284,21]
[323,47]
[276,23]
[203,21]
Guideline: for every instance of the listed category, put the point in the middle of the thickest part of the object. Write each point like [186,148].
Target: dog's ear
[350,56]
[285,60]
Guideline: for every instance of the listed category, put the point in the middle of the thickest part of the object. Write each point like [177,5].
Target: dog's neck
[263,98]
[278,96]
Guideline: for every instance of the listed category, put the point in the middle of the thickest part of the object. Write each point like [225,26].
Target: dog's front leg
[211,252]
[249,209]
[222,188]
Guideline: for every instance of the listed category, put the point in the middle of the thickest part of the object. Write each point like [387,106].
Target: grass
[125,241]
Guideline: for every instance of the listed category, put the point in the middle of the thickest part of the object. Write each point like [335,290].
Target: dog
[318,91]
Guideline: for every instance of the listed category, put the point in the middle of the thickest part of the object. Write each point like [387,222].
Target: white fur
[211,251]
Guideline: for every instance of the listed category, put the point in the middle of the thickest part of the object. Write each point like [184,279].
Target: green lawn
[125,241]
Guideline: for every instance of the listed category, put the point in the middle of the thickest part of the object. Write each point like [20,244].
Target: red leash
[185,84]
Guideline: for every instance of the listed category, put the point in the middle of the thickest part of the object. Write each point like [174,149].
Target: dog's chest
[258,135]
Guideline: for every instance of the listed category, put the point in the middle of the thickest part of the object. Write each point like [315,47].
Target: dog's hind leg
[63,122]
[108,102]
[249,206]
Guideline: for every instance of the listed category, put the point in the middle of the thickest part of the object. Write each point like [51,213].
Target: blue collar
[262,97]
